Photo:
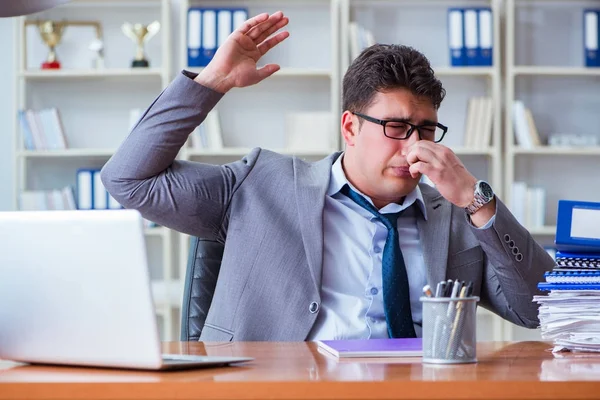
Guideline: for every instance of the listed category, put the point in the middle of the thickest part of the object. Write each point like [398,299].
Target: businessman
[340,248]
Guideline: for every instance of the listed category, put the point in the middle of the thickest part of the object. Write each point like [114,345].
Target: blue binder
[456,37]
[85,189]
[545,286]
[591,37]
[591,276]
[485,32]
[568,232]
[577,260]
[207,29]
[471,33]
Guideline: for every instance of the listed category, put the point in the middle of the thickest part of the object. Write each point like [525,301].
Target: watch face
[486,190]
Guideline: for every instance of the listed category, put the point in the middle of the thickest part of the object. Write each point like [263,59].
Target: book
[577,260]
[412,347]
[546,286]
[592,276]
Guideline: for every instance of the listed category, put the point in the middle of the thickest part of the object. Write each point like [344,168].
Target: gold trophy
[140,34]
[51,33]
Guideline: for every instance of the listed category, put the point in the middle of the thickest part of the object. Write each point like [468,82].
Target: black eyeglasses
[399,129]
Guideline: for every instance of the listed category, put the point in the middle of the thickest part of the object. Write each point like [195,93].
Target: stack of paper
[570,314]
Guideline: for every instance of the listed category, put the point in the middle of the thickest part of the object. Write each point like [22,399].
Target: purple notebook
[373,347]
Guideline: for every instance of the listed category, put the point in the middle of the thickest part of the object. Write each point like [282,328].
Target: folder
[471,36]
[406,347]
[193,37]
[224,26]
[113,204]
[578,227]
[486,37]
[85,189]
[574,277]
[208,36]
[456,41]
[577,260]
[591,37]
[100,201]
[207,29]
[239,17]
[545,286]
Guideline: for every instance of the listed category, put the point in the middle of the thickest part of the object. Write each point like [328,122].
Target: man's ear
[349,128]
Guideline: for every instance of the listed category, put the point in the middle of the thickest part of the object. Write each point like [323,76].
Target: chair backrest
[204,263]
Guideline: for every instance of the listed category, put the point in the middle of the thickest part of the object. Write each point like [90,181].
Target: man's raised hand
[235,62]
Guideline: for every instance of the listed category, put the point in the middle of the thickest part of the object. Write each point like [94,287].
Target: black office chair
[204,263]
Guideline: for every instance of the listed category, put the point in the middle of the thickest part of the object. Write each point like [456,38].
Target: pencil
[459,307]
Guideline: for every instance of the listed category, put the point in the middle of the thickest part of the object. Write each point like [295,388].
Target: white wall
[6,113]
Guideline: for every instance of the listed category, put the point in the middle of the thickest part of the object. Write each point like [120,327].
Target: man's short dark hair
[384,67]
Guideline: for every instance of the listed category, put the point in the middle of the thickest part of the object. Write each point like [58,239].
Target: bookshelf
[95,103]
[562,96]
[94,106]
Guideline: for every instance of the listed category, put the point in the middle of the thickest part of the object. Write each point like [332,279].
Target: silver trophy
[140,34]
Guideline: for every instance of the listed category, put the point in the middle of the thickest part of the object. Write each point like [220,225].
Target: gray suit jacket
[267,209]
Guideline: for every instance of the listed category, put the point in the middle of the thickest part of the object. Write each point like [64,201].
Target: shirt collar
[338,180]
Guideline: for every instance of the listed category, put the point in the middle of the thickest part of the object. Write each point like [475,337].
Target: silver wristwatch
[483,194]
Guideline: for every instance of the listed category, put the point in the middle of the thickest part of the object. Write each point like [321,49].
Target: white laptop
[75,290]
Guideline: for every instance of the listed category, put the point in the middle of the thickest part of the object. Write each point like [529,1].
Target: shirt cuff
[486,226]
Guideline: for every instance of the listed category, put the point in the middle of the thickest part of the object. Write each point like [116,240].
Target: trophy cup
[140,34]
[97,46]
[51,33]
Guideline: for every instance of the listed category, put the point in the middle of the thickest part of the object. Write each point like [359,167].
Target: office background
[546,67]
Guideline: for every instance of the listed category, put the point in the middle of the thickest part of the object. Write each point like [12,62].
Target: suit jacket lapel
[311,181]
[435,234]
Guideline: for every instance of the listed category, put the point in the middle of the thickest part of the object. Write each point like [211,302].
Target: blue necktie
[396,298]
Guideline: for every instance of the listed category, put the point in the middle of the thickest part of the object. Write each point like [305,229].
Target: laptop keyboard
[176,358]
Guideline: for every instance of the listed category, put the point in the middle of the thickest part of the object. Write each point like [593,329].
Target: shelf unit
[555,71]
[313,61]
[562,95]
[92,73]
[94,105]
[286,72]
[532,41]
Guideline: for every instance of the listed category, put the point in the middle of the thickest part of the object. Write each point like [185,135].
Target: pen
[427,291]
[455,290]
[447,320]
[451,348]
[448,288]
[469,289]
[440,291]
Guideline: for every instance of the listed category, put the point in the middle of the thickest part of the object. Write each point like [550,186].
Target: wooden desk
[525,370]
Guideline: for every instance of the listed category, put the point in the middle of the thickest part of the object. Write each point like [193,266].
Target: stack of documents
[570,314]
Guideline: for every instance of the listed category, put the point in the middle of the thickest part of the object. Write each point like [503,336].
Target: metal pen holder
[449,329]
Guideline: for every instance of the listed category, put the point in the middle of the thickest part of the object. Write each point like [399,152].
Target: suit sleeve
[514,264]
[144,174]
